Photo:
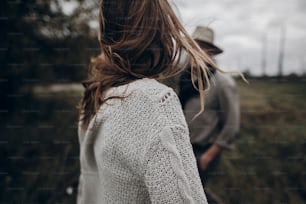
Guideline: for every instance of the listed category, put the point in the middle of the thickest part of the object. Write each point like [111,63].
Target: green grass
[39,148]
[268,164]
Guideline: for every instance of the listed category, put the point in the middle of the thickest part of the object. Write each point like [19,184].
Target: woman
[134,140]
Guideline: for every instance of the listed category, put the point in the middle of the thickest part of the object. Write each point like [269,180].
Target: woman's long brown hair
[139,39]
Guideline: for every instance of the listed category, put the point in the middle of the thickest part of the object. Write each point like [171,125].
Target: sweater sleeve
[79,190]
[171,175]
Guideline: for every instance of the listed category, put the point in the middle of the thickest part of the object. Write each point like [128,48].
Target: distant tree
[39,43]
[282,52]
[247,73]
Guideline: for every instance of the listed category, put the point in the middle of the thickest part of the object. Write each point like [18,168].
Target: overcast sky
[240,27]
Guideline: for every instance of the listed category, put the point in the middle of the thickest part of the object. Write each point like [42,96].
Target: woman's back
[139,150]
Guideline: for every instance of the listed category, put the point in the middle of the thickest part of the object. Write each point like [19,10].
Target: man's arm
[229,114]
[230,119]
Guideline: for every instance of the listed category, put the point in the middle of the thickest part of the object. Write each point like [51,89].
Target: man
[215,129]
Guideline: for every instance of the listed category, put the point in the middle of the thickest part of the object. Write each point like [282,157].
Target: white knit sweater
[139,151]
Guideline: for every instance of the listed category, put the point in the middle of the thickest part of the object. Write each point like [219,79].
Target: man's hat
[205,37]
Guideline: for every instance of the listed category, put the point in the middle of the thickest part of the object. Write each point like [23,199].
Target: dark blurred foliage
[39,151]
[40,44]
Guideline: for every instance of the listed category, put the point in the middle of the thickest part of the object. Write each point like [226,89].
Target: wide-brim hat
[205,37]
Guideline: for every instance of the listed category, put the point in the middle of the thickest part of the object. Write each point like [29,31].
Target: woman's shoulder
[146,89]
[145,98]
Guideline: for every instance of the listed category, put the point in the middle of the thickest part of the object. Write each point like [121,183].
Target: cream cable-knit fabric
[139,151]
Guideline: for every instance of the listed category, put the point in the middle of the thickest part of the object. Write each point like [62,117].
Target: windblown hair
[139,39]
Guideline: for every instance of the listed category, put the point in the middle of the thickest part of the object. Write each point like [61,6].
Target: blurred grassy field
[268,164]
[39,148]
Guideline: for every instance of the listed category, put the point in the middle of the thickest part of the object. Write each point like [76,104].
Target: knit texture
[137,150]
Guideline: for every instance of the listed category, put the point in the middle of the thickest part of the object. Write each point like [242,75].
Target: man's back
[220,120]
